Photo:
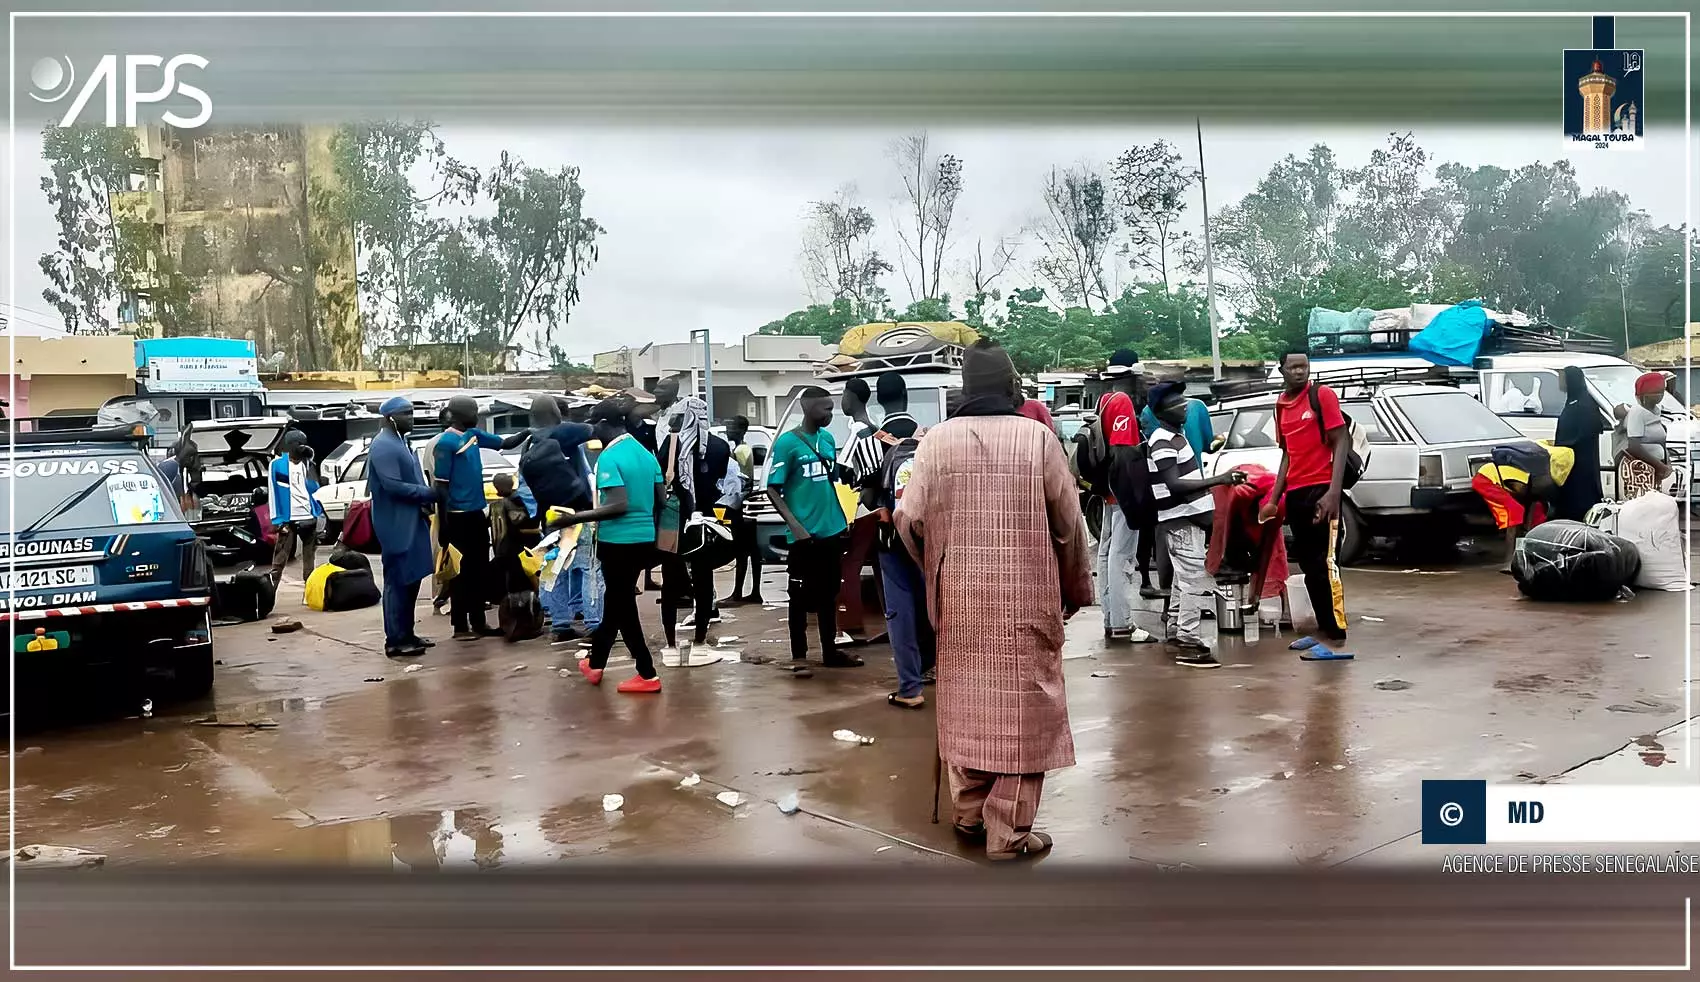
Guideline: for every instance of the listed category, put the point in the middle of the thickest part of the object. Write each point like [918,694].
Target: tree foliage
[931,185]
[840,261]
[1076,234]
[86,165]
[1151,184]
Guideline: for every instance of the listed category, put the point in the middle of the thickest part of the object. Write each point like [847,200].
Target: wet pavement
[488,757]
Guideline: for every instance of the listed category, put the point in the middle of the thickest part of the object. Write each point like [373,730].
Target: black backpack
[553,477]
[1129,481]
[1092,458]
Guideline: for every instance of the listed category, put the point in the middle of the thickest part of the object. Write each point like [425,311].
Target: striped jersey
[1165,447]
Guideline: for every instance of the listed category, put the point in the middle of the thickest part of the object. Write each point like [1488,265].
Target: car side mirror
[758,456]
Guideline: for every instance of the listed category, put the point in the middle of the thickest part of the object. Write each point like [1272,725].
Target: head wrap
[1650,382]
[692,435]
[394,405]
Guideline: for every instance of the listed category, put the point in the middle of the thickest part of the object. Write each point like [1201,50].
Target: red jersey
[1310,459]
[1121,423]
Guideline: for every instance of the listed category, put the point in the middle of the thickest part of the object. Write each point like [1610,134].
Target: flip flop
[1303,643]
[1324,653]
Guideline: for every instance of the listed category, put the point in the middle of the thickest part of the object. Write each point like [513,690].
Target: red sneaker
[591,675]
[637,683]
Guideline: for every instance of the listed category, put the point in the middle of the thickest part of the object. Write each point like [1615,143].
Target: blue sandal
[1303,643]
[1321,652]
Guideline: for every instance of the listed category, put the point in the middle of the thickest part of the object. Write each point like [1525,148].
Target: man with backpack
[1112,437]
[913,646]
[1315,439]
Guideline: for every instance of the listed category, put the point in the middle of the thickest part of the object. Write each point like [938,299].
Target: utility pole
[1623,296]
[707,371]
[1209,263]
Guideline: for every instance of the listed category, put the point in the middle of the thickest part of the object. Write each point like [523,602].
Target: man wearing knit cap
[401,500]
[991,513]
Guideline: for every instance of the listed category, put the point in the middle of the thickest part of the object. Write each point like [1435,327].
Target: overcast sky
[703,226]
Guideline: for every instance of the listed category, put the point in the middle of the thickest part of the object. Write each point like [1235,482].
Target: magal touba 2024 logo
[136,80]
[1604,108]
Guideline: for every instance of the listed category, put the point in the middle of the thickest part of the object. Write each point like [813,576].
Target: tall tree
[931,185]
[394,223]
[839,257]
[86,165]
[1076,232]
[519,269]
[1151,183]
[825,321]
[1283,232]
[1395,215]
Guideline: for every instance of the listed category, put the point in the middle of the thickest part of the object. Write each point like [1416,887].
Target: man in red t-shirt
[1312,434]
[1118,544]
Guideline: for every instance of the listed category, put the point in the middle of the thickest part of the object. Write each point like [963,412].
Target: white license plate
[50,578]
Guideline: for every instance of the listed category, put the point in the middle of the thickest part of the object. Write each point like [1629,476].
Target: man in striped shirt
[1185,509]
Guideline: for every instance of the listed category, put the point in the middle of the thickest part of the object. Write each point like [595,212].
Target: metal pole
[707,370]
[1623,295]
[1209,263]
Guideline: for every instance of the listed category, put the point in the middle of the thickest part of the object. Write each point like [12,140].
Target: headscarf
[990,386]
[691,435]
[1650,382]
[1580,418]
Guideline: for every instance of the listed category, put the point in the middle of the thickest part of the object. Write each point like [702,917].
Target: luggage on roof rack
[887,347]
[1333,332]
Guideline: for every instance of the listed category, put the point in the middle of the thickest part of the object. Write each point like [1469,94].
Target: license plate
[50,578]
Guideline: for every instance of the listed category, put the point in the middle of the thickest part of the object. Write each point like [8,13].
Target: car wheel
[1093,508]
[1354,535]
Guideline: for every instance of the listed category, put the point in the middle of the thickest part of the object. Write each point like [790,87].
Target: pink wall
[20,400]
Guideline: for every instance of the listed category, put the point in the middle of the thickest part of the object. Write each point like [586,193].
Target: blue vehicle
[99,571]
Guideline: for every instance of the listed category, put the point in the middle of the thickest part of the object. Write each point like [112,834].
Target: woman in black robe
[1579,428]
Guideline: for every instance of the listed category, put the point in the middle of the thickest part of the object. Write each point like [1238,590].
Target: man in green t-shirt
[629,495]
[800,483]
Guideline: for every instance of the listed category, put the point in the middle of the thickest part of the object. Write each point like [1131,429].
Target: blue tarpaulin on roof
[1455,335]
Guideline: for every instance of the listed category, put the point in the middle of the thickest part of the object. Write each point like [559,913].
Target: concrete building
[70,375]
[754,377]
[223,220]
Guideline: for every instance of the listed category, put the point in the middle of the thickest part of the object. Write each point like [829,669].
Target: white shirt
[300,508]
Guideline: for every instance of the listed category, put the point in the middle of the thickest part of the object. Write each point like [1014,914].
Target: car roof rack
[1501,339]
[18,435]
[1342,379]
[944,357]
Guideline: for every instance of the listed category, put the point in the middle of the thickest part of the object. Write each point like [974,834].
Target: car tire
[194,673]
[1354,535]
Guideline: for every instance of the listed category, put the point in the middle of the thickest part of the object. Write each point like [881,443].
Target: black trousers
[1313,546]
[815,567]
[744,540]
[622,564]
[469,591]
[683,580]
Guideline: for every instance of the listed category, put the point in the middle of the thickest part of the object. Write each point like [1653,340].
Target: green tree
[1151,184]
[839,257]
[1281,324]
[393,222]
[825,321]
[86,166]
[1076,234]
[519,269]
[928,310]
[1395,215]
[1283,233]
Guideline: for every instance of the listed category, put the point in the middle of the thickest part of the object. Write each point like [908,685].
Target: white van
[1524,389]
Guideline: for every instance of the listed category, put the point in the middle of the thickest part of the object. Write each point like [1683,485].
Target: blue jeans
[578,590]
[914,647]
[399,602]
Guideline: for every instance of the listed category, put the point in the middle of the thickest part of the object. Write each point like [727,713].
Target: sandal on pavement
[1321,652]
[906,702]
[1036,845]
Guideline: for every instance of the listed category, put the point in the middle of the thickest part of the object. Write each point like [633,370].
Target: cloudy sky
[703,226]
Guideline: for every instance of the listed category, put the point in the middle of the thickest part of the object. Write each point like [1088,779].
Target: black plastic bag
[351,589]
[1570,561]
[520,616]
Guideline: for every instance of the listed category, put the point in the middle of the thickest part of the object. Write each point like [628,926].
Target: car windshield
[1453,417]
[1617,384]
[83,491]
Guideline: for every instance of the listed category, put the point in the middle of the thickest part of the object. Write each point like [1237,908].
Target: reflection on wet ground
[488,758]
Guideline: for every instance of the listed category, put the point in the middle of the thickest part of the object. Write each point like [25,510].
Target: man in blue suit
[401,500]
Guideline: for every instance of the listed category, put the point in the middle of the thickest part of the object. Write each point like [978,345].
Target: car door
[1248,438]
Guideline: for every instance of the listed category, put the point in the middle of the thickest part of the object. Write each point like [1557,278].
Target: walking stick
[938,778]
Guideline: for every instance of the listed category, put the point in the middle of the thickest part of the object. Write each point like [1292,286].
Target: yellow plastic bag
[848,500]
[316,581]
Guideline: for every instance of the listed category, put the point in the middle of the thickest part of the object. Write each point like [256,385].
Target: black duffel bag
[247,596]
[1571,561]
[351,589]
